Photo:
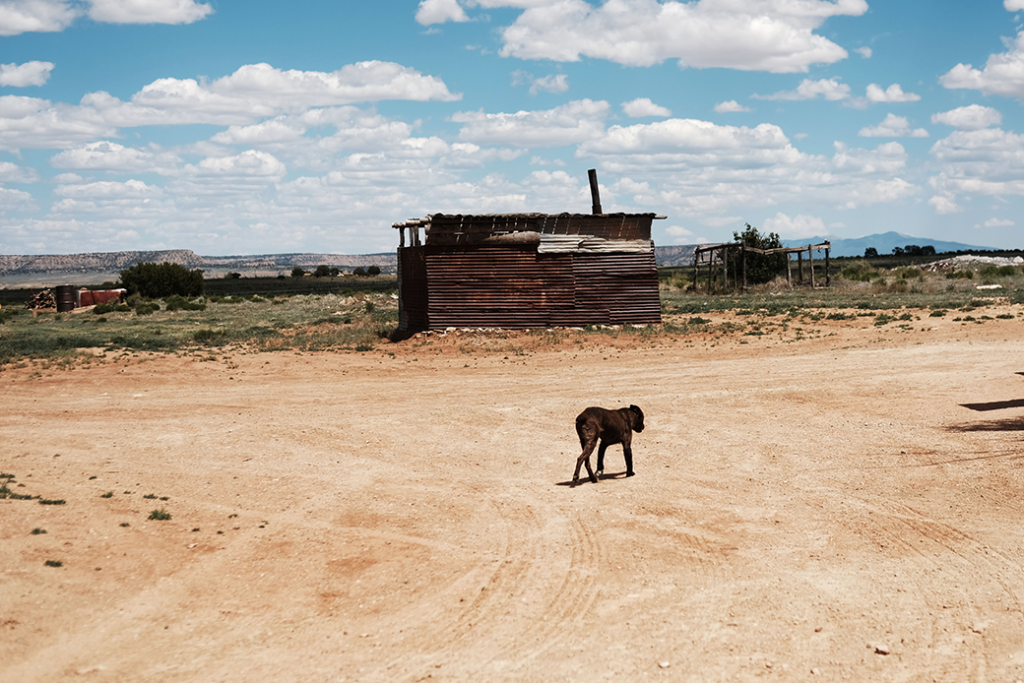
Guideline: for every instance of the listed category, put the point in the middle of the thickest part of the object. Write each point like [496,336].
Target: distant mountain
[884,243]
[85,269]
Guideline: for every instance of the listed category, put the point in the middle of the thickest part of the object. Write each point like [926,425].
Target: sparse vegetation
[159,515]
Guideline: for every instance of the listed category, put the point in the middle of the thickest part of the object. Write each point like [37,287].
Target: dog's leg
[628,452]
[584,459]
[600,458]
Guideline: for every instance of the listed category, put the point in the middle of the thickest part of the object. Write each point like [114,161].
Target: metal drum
[67,298]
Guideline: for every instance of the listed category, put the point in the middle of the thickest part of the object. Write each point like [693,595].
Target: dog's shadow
[586,480]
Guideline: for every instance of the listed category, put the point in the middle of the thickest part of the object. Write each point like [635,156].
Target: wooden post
[810,262]
[800,265]
[828,275]
[725,268]
[789,270]
[743,258]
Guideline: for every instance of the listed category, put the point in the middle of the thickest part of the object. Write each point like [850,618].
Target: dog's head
[638,418]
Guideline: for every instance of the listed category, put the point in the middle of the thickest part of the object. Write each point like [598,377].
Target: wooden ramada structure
[720,257]
[527,270]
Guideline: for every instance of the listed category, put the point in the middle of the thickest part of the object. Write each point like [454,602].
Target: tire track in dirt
[937,547]
[539,589]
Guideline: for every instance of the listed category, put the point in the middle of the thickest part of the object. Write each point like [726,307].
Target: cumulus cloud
[796,227]
[148,11]
[439,11]
[831,89]
[23,75]
[1003,73]
[864,52]
[731,106]
[111,156]
[643,106]
[971,117]
[986,162]
[751,35]
[23,16]
[554,83]
[997,222]
[570,123]
[252,93]
[893,127]
[876,95]
[12,173]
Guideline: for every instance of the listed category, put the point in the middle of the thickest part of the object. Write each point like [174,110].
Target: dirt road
[845,505]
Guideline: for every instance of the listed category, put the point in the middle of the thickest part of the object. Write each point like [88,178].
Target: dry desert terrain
[843,505]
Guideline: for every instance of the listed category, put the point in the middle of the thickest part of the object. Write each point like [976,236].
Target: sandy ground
[845,506]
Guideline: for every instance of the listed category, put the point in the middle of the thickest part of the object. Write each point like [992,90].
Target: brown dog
[611,427]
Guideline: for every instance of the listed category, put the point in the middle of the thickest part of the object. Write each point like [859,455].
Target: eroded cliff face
[97,262]
[114,262]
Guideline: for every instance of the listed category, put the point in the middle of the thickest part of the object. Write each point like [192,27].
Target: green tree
[298,271]
[155,281]
[870,252]
[373,270]
[322,271]
[359,271]
[761,268]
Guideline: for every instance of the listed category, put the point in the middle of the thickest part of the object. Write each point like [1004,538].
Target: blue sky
[231,127]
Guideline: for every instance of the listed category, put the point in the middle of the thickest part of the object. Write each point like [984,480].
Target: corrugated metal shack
[527,270]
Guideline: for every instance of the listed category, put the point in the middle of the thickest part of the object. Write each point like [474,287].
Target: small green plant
[938,313]
[108,494]
[48,501]
[125,524]
[38,530]
[160,515]
[54,563]
[150,496]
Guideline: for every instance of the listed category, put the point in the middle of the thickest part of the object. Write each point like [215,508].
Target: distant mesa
[99,267]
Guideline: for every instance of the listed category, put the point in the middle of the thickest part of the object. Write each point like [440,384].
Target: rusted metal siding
[441,228]
[514,287]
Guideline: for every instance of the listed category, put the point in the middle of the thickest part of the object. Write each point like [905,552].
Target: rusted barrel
[67,298]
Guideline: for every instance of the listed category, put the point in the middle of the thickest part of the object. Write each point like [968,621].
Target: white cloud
[888,158]
[148,11]
[831,89]
[1003,73]
[23,16]
[554,83]
[864,52]
[944,205]
[15,200]
[893,127]
[875,95]
[997,222]
[251,163]
[23,75]
[643,106]
[753,35]
[570,123]
[730,107]
[971,117]
[1013,5]
[439,11]
[686,136]
[894,93]
[252,93]
[795,227]
[112,156]
[12,173]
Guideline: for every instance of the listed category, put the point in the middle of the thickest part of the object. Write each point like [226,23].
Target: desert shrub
[206,335]
[180,303]
[103,309]
[160,515]
[157,281]
[147,308]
